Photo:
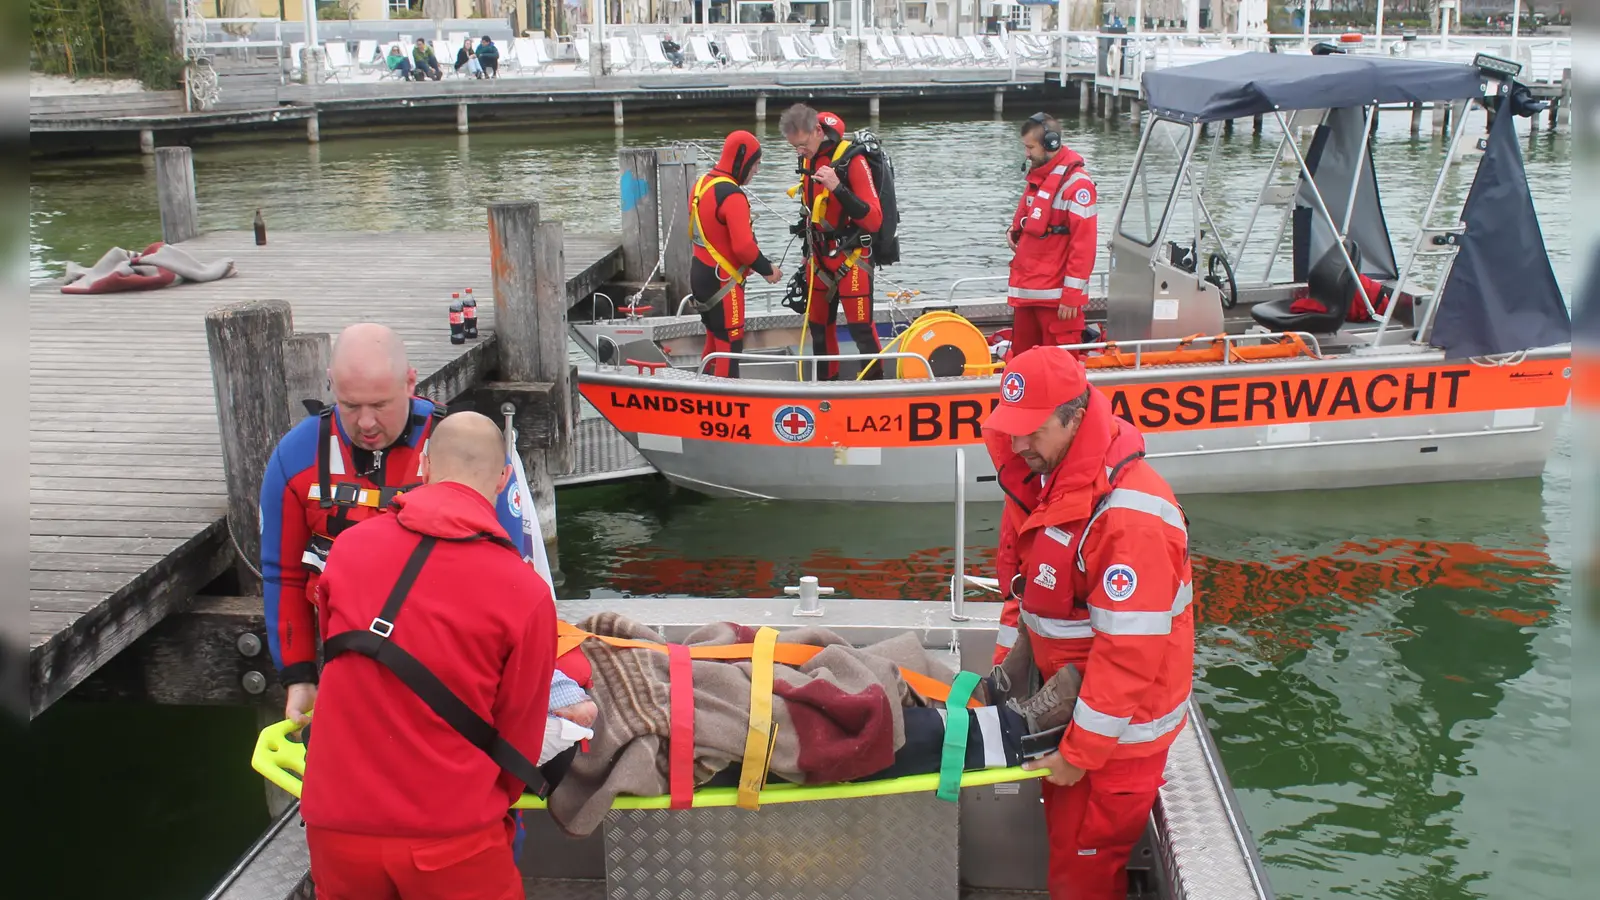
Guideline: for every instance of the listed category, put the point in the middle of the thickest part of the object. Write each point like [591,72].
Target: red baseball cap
[1034,384]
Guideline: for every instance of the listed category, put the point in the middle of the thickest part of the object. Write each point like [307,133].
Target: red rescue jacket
[380,762]
[1101,566]
[1056,229]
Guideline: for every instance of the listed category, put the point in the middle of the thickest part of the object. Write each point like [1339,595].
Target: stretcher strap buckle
[346,493]
[381,627]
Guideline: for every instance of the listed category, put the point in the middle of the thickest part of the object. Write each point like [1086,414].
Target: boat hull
[1360,421]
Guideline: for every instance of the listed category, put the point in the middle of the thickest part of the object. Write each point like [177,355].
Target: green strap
[953,759]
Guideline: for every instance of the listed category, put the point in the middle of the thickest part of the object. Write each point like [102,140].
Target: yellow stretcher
[282,761]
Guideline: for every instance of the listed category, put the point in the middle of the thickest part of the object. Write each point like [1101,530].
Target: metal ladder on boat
[1281,187]
[1426,269]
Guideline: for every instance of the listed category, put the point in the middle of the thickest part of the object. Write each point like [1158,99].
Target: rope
[239,551]
[1515,358]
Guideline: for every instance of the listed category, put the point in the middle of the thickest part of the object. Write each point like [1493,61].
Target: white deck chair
[702,55]
[997,45]
[367,56]
[580,48]
[822,48]
[529,57]
[975,47]
[957,51]
[338,56]
[294,55]
[891,49]
[654,56]
[621,52]
[912,49]
[739,51]
[874,52]
[792,55]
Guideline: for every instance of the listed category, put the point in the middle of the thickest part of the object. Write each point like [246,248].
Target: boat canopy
[1252,84]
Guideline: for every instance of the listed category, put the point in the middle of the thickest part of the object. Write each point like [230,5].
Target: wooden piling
[641,221]
[175,193]
[873,105]
[313,128]
[306,359]
[1416,118]
[675,176]
[1255,124]
[530,321]
[461,118]
[147,141]
[616,113]
[246,342]
[761,107]
[999,102]
[1085,96]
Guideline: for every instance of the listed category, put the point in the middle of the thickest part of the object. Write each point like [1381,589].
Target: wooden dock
[127,501]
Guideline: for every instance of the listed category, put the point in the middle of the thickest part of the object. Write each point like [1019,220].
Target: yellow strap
[758,742]
[821,199]
[700,187]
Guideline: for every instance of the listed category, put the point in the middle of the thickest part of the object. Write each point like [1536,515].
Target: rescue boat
[1305,353]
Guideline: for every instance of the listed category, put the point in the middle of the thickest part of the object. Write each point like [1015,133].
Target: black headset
[1051,140]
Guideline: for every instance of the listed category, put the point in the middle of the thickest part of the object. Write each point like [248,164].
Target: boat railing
[959,579]
[763,359]
[1099,281]
[1229,341]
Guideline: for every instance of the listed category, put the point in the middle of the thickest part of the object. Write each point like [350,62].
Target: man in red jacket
[725,250]
[1100,569]
[841,209]
[397,801]
[1053,235]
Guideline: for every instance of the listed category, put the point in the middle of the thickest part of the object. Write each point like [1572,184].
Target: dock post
[999,102]
[313,128]
[1255,125]
[530,325]
[461,118]
[874,104]
[1085,96]
[147,142]
[175,192]
[1416,118]
[307,356]
[1561,109]
[1136,109]
[1441,114]
[761,107]
[675,176]
[246,342]
[641,220]
[616,113]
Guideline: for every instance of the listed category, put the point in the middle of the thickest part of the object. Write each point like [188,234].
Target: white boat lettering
[1259,400]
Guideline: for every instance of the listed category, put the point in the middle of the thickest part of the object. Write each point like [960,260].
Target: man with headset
[1053,235]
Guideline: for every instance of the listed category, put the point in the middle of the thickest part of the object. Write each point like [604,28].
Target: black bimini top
[1251,84]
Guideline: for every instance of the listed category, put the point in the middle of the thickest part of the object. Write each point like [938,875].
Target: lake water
[1387,670]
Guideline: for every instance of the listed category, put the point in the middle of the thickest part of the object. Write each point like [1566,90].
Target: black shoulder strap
[1116,471]
[375,644]
[324,438]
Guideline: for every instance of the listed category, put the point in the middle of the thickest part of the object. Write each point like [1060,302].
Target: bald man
[342,466]
[434,694]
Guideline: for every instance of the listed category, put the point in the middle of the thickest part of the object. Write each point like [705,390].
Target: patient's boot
[1051,706]
[1016,678]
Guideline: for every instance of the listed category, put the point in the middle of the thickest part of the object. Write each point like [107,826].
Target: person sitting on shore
[489,57]
[673,51]
[399,63]
[426,62]
[465,56]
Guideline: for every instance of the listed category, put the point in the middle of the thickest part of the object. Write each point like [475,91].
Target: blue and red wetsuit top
[298,526]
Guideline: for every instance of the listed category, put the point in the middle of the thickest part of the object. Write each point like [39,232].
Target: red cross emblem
[794,424]
[1120,582]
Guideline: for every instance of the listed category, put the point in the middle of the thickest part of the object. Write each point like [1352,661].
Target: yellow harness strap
[706,182]
[758,742]
[569,636]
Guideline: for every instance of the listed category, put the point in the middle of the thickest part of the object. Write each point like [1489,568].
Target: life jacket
[1045,238]
[335,504]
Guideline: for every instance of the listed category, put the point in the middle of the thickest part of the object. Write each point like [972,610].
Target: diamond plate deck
[603,455]
[794,851]
[1208,851]
[278,867]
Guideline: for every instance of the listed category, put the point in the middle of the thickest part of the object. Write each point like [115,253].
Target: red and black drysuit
[725,250]
[839,267]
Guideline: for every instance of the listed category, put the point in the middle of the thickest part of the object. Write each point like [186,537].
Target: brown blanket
[837,717]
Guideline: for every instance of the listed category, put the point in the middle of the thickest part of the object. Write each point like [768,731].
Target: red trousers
[473,866]
[1035,325]
[725,333]
[1093,825]
[854,294]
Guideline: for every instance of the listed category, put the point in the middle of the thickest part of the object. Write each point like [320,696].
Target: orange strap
[569,637]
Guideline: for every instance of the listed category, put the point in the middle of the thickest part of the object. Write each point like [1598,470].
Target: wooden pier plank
[126,492]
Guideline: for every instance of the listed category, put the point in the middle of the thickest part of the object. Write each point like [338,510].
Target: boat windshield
[1155,179]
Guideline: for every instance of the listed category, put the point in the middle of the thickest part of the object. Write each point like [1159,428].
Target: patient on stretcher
[846,714]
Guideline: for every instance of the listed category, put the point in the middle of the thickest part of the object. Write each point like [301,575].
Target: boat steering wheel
[1230,292]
